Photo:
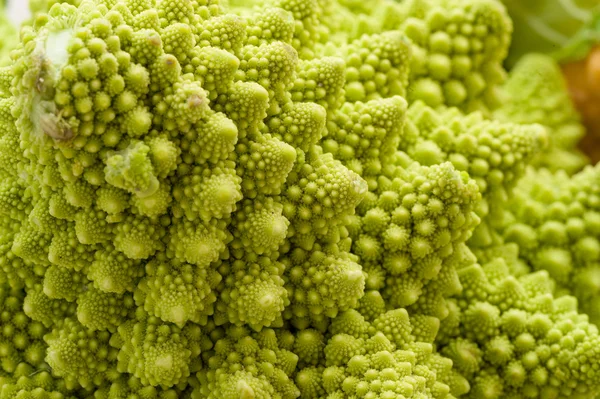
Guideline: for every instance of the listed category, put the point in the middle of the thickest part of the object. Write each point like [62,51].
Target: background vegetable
[566,29]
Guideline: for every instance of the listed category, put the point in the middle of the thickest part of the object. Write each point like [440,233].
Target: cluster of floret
[512,339]
[537,93]
[372,352]
[409,231]
[458,52]
[555,220]
[277,199]
[170,179]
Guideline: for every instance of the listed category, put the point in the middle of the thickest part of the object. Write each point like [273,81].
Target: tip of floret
[229,131]
[543,137]
[164,362]
[279,228]
[84,317]
[170,61]
[55,360]
[232,62]
[466,354]
[106,284]
[27,308]
[260,95]
[360,186]
[354,275]
[136,251]
[408,297]
[154,39]
[162,152]
[355,91]
[288,153]
[85,237]
[399,313]
[199,253]
[304,378]
[196,101]
[226,194]
[177,315]
[49,291]
[245,391]
[308,337]
[52,256]
[267,301]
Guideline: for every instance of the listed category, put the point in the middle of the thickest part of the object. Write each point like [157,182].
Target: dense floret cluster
[290,198]
[555,220]
[536,93]
[459,49]
[390,356]
[512,339]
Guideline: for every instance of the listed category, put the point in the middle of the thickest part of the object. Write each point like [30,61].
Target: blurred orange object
[583,78]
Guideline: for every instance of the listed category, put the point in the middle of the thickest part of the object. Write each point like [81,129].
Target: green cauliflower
[459,49]
[240,363]
[384,355]
[553,218]
[537,93]
[166,148]
[512,339]
[263,199]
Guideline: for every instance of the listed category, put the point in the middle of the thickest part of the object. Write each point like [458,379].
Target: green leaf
[565,29]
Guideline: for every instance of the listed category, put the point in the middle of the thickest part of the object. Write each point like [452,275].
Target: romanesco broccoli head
[282,199]
[389,356]
[555,219]
[511,338]
[537,93]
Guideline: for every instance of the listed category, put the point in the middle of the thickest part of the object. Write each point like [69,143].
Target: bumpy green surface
[512,339]
[537,93]
[170,178]
[460,46]
[555,220]
[387,356]
[256,200]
